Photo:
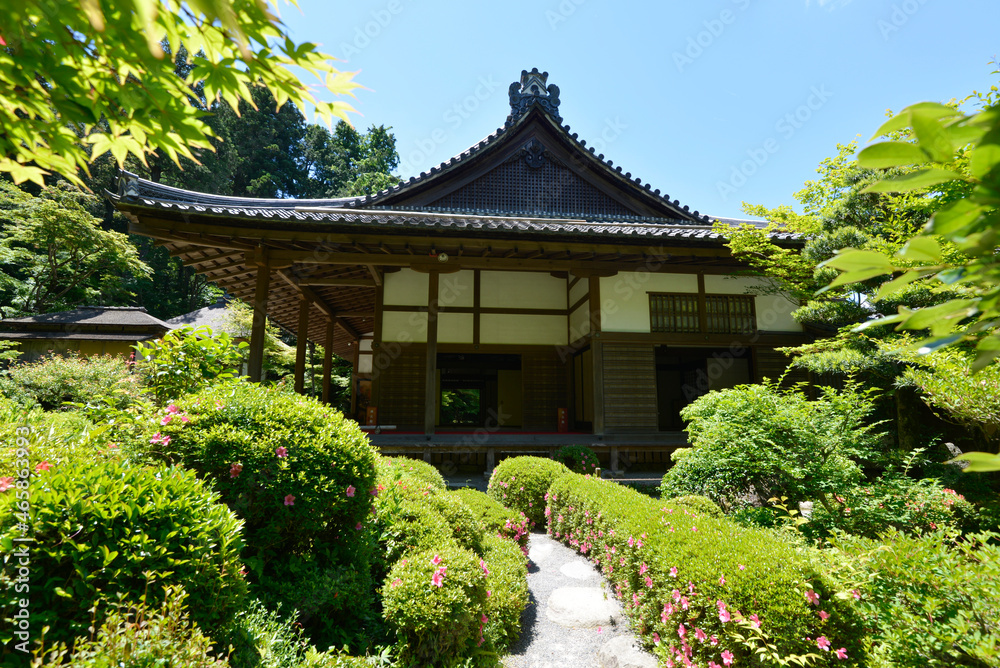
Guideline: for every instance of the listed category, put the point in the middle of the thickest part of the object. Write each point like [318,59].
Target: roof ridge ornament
[532,90]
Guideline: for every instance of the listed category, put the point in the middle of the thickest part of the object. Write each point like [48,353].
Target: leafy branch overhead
[82,79]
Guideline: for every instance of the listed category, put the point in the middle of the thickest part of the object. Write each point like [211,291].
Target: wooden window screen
[730,314]
[673,312]
[724,314]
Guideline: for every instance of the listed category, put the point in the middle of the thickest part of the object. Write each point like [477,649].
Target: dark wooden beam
[376,274]
[301,339]
[255,362]
[338,282]
[430,391]
[597,354]
[320,303]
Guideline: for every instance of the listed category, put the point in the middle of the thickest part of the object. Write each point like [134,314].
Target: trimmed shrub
[703,588]
[435,601]
[699,504]
[495,517]
[507,591]
[930,600]
[754,442]
[520,483]
[138,636]
[296,471]
[466,529]
[55,380]
[577,458]
[107,529]
[414,468]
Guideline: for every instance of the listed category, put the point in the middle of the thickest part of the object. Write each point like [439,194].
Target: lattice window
[730,314]
[724,314]
[673,312]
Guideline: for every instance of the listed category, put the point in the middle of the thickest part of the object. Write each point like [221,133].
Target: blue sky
[714,103]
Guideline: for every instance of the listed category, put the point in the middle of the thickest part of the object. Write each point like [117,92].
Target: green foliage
[466,529]
[104,530]
[346,162]
[53,381]
[54,254]
[106,80]
[699,504]
[435,602]
[577,458]
[754,442]
[520,483]
[262,638]
[507,591]
[186,360]
[680,574]
[931,600]
[495,518]
[413,468]
[137,634]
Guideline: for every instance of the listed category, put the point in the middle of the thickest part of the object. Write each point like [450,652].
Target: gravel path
[544,643]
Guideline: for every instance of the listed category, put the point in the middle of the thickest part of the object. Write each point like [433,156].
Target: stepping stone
[582,607]
[538,552]
[624,652]
[578,570]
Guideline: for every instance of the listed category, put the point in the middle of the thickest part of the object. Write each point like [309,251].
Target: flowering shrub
[702,589]
[186,360]
[931,600]
[466,528]
[507,590]
[414,468]
[894,501]
[107,529]
[520,483]
[435,601]
[296,471]
[496,518]
[577,458]
[52,381]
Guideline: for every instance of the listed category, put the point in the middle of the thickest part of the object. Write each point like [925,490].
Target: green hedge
[413,468]
[507,591]
[98,528]
[681,574]
[701,504]
[495,517]
[520,483]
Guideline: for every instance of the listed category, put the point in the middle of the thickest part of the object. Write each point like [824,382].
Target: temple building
[524,294]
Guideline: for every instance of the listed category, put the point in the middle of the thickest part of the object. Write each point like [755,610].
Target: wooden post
[354,378]
[328,361]
[377,363]
[301,338]
[430,392]
[597,354]
[255,362]
[702,306]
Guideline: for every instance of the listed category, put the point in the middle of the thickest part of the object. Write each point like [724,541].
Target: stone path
[571,621]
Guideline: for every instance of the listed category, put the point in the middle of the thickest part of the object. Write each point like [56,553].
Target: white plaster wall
[521,289]
[457,289]
[581,288]
[523,329]
[579,322]
[364,363]
[455,327]
[625,301]
[405,288]
[774,314]
[404,327]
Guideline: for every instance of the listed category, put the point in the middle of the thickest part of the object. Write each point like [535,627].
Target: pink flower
[824,615]
[755,621]
[700,635]
[482,564]
[350,490]
[812,597]
[714,640]
[281,451]
[438,578]
[643,568]
[856,594]
[673,572]
[724,615]
[681,631]
[159,438]
[357,527]
[667,611]
[397,582]
[484,618]
[437,557]
[742,567]
[649,582]
[677,596]
[43,466]
[722,580]
[235,470]
[289,500]
[6,483]
[656,638]
[694,528]
[727,657]
[631,541]
[166,419]
[173,409]
[184,418]
[842,653]
[823,643]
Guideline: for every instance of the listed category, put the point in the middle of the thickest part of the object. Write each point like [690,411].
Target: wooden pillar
[597,354]
[702,306]
[301,339]
[430,393]
[354,378]
[328,361]
[255,362]
[377,361]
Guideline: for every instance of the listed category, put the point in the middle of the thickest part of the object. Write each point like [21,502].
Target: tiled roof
[111,316]
[76,336]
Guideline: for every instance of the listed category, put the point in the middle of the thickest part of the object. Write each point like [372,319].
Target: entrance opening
[475,389]
[684,374]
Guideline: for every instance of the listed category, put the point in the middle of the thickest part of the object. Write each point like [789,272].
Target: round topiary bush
[507,585]
[435,601]
[577,458]
[295,470]
[521,483]
[466,528]
[104,529]
[496,518]
[412,468]
[700,504]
